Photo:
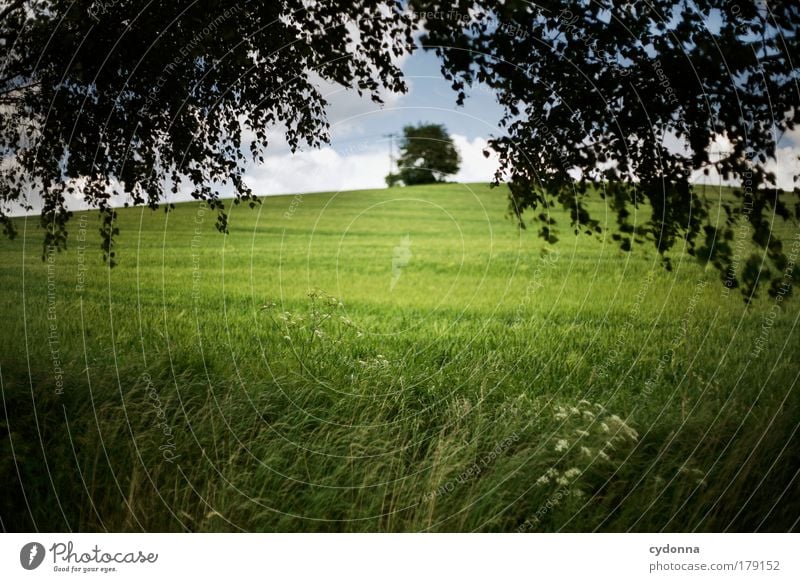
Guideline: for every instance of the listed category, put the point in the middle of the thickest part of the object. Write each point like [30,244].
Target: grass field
[388,360]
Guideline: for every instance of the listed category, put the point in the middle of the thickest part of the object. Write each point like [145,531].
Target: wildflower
[587,415]
[582,433]
[572,473]
[623,429]
[543,480]
[604,427]
[561,445]
[602,455]
[586,451]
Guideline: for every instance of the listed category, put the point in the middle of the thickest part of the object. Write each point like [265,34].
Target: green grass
[274,380]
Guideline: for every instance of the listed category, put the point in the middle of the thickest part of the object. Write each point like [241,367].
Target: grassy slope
[497,386]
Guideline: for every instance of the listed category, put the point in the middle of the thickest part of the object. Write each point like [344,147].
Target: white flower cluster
[562,478]
[315,327]
[587,435]
[378,362]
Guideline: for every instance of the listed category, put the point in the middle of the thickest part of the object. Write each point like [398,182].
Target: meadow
[387,360]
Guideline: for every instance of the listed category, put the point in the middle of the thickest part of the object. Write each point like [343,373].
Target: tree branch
[16,5]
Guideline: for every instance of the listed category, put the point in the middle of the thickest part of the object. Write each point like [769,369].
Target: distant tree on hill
[427,155]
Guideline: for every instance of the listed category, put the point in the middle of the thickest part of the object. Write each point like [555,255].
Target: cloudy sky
[358,156]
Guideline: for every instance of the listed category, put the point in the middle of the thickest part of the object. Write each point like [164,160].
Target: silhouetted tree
[105,99]
[631,96]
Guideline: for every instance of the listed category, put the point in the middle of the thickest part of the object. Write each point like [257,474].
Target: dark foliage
[133,98]
[587,83]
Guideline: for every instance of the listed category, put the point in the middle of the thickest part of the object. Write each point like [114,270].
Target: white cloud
[475,167]
[329,170]
[785,166]
[317,171]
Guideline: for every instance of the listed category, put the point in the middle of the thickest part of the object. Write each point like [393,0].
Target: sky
[358,156]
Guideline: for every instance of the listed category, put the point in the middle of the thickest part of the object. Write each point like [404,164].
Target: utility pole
[719,153]
[391,137]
